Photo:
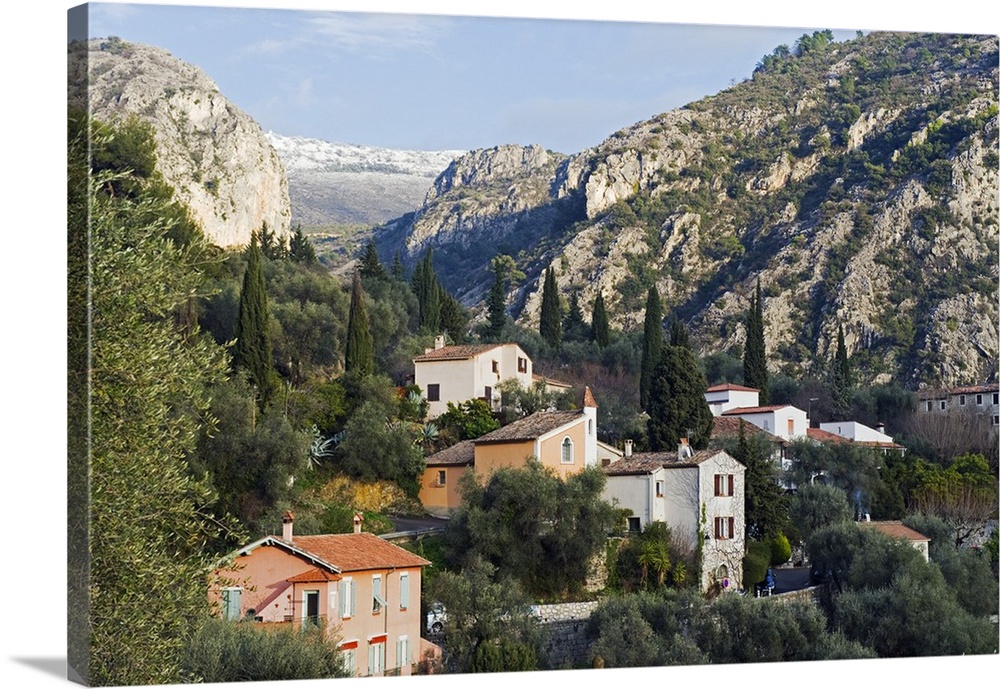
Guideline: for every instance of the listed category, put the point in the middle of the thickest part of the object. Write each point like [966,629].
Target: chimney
[357,522]
[628,447]
[439,342]
[286,526]
[880,427]
[683,450]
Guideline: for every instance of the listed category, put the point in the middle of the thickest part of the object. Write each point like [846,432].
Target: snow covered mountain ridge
[301,154]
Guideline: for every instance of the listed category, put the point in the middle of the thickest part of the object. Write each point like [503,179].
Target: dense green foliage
[222,651]
[600,329]
[359,354]
[532,526]
[676,406]
[550,317]
[652,344]
[252,351]
[754,352]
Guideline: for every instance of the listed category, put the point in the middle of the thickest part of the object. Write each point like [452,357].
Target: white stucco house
[783,420]
[700,495]
[458,373]
[725,396]
[857,433]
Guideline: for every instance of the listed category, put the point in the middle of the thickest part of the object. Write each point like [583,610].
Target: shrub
[781,549]
[755,563]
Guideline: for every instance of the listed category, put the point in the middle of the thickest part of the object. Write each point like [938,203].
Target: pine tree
[300,249]
[371,267]
[550,318]
[359,356]
[252,351]
[652,344]
[599,327]
[755,354]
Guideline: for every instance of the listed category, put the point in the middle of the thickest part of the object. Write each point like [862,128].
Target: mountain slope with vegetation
[856,180]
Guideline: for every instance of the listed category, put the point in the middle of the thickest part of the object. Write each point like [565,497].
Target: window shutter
[354,600]
[731,486]
[732,531]
[404,590]
[718,528]
[344,594]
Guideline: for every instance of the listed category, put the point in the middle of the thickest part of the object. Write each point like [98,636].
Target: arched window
[722,572]
[567,451]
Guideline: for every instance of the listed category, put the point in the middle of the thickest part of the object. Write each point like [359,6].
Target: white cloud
[388,32]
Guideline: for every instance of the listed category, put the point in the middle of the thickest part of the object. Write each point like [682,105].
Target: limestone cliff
[857,180]
[213,154]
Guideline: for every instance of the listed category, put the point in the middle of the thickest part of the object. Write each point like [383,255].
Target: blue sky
[447,82]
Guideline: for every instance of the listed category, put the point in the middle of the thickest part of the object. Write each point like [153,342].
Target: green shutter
[404,590]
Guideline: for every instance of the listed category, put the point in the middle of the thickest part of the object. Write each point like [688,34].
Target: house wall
[456,378]
[439,499]
[723,400]
[855,431]
[262,575]
[682,503]
[637,492]
[509,354]
[550,448]
[776,422]
[490,456]
[729,551]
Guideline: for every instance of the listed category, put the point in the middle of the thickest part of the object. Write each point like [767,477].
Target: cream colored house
[458,373]
[899,531]
[783,420]
[721,398]
[700,495]
[564,441]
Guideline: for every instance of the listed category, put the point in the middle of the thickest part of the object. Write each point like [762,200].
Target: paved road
[418,523]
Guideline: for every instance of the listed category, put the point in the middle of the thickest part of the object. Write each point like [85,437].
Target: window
[724,528]
[232,603]
[496,367]
[996,420]
[488,395]
[378,602]
[979,400]
[722,572]
[442,476]
[928,405]
[403,651]
[522,365]
[724,484]
[347,598]
[376,657]
[347,654]
[634,525]
[567,451]
[943,404]
[996,398]
[659,489]
[590,427]
[961,400]
[404,591]
[310,609]
[791,427]
[433,392]
[767,425]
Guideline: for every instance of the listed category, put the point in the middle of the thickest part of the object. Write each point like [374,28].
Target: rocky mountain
[335,183]
[856,180]
[213,154]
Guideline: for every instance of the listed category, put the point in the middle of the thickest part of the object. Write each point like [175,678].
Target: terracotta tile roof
[821,436]
[454,352]
[730,386]
[648,462]
[531,427]
[896,530]
[313,575]
[933,393]
[549,381]
[456,455]
[755,410]
[588,398]
[729,426]
[351,552]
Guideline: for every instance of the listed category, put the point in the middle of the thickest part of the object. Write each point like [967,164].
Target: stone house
[364,590]
[979,399]
[700,495]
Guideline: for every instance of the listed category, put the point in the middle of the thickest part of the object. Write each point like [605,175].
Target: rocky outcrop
[212,153]
[856,182]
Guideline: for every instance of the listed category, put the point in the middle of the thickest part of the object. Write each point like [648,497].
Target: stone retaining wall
[565,626]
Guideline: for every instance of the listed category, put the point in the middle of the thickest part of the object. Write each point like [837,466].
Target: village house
[899,531]
[365,591]
[700,495]
[980,399]
[564,441]
[458,373]
[857,433]
[736,401]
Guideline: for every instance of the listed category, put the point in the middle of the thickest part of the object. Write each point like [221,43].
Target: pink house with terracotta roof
[364,590]
[564,441]
[458,373]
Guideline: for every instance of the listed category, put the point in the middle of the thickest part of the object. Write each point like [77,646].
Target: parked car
[436,616]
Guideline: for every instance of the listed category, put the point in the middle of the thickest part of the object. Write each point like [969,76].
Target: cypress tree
[766,506]
[427,288]
[755,354]
[252,351]
[840,377]
[454,318]
[496,303]
[652,344]
[574,328]
[677,407]
[599,328]
[397,269]
[359,356]
[550,319]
